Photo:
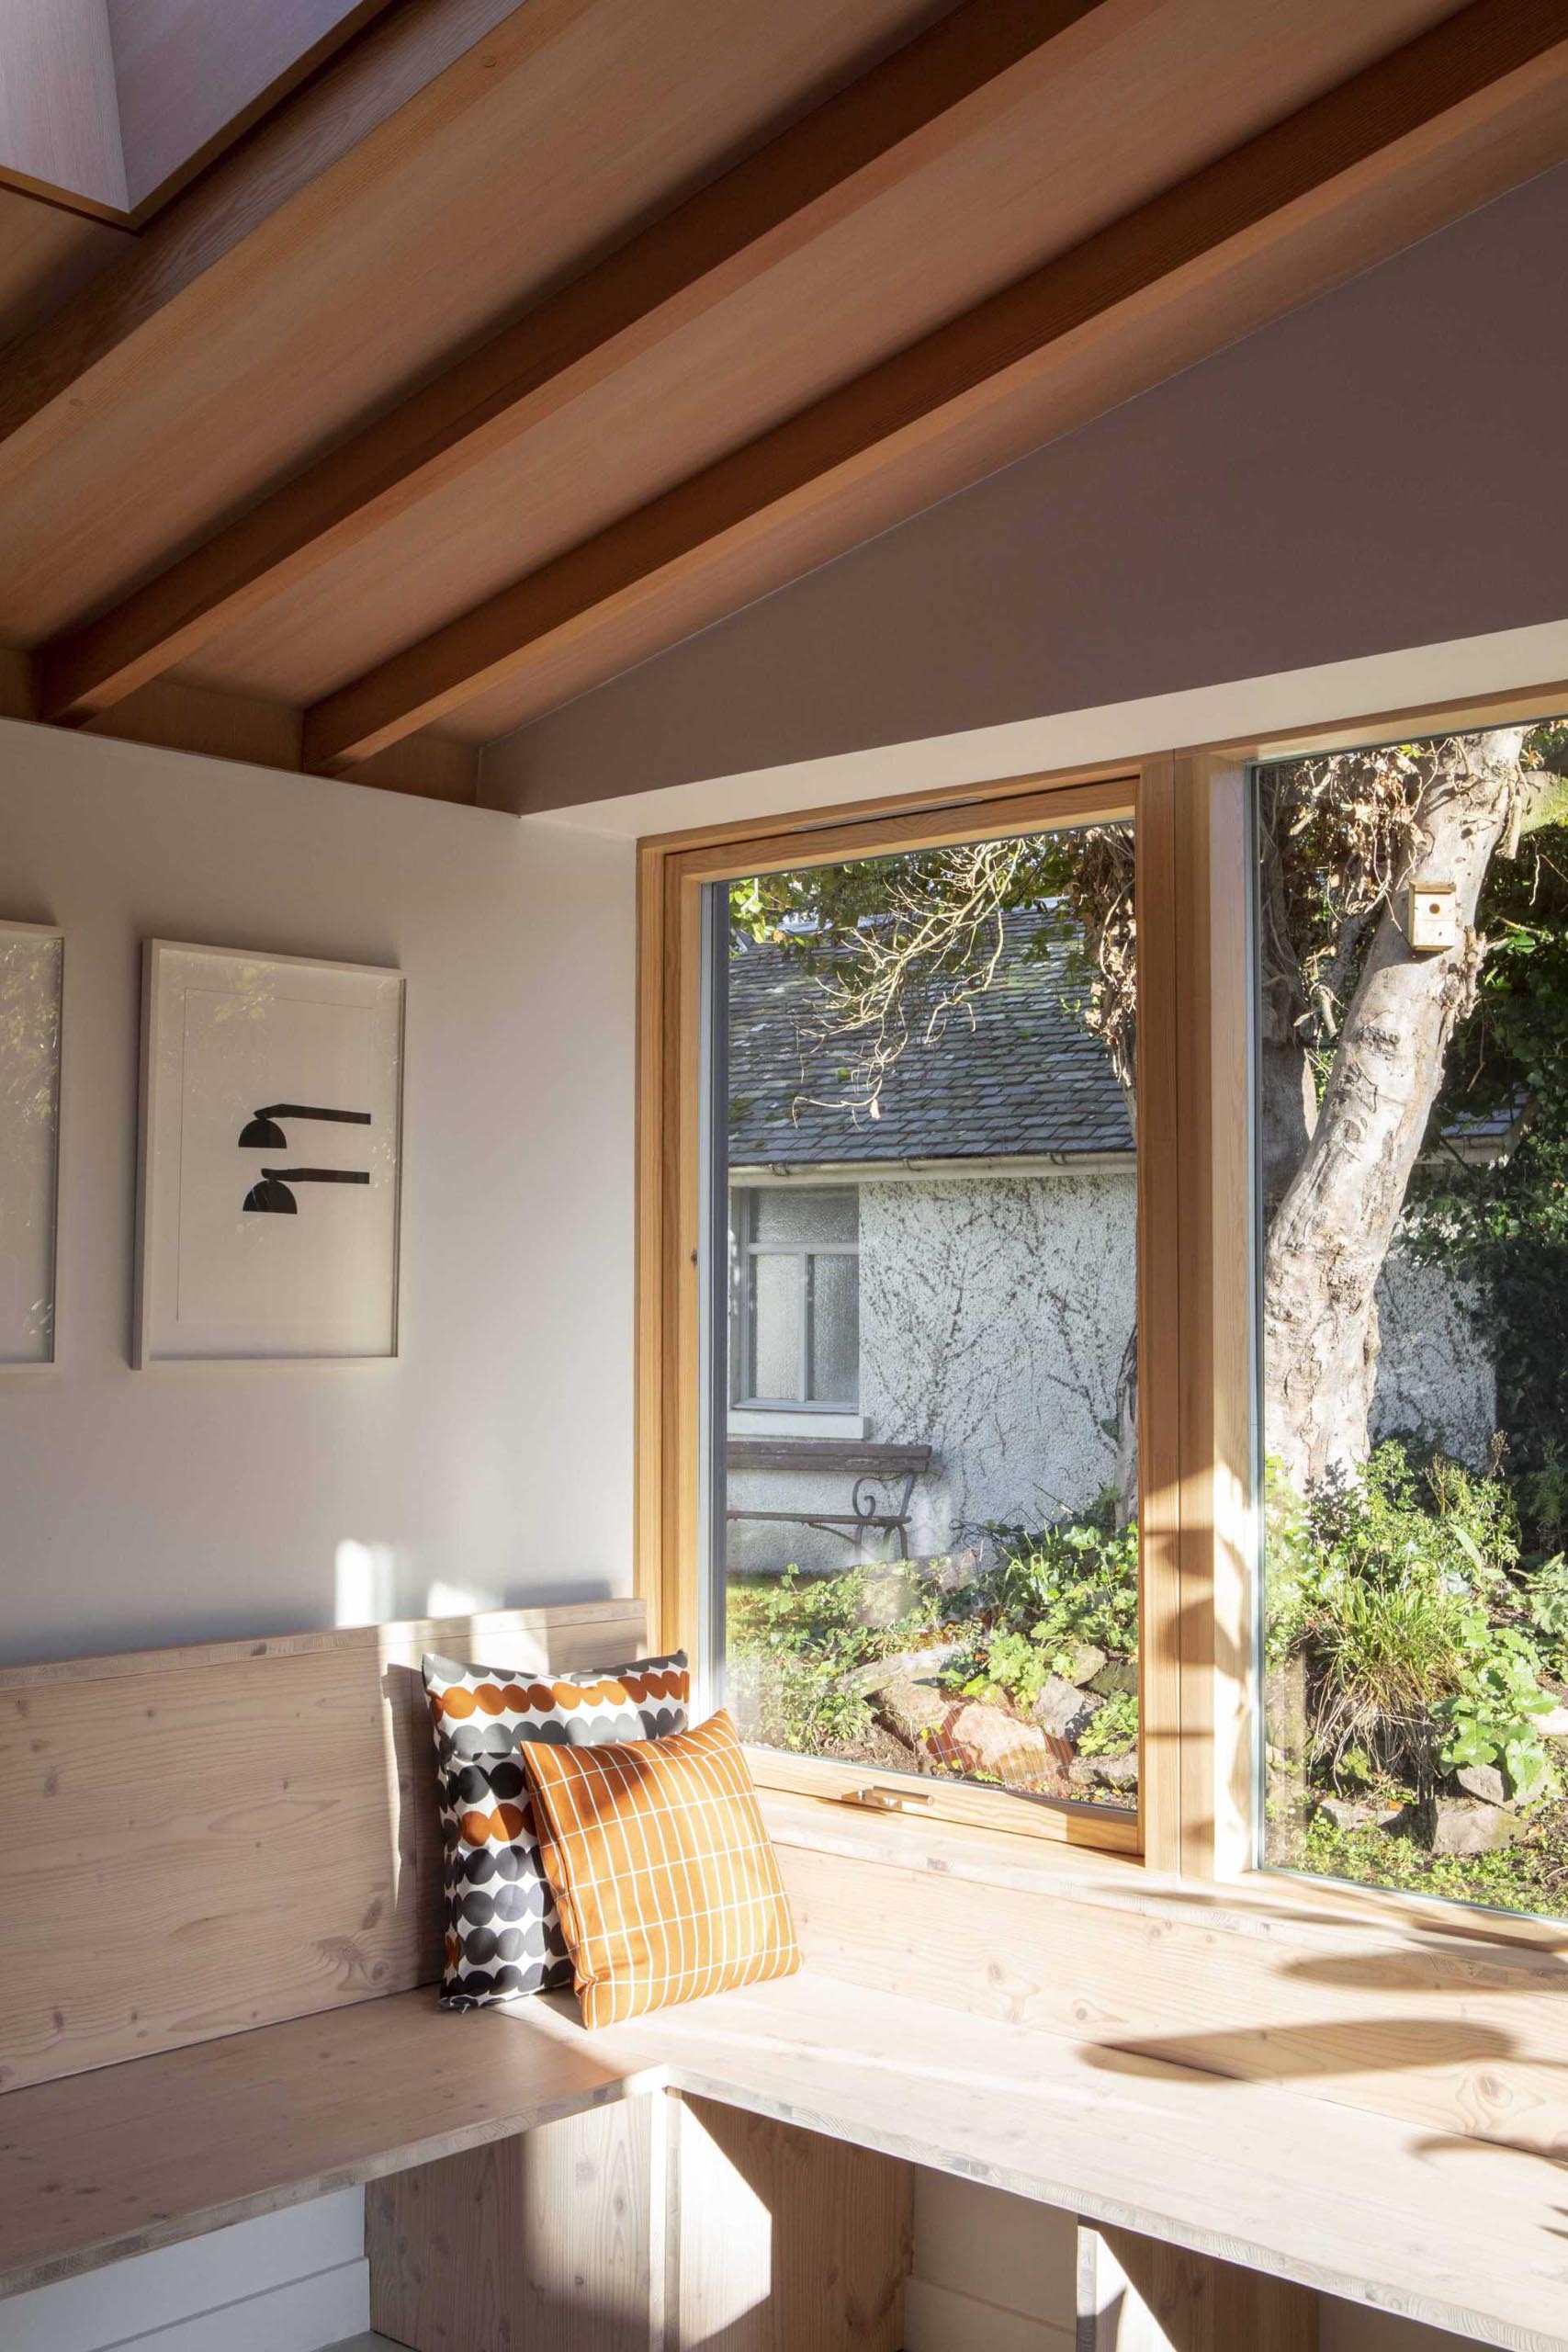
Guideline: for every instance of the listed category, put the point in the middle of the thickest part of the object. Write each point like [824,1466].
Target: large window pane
[930,1554]
[835,1328]
[1412,1022]
[777,1321]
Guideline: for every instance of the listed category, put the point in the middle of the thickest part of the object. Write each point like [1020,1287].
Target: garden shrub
[1424,1644]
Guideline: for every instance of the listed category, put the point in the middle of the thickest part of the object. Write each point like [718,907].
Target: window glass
[948,1587]
[1412,1053]
[776,1323]
[835,1328]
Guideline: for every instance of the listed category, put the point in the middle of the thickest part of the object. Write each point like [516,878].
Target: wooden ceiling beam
[275,188]
[848,150]
[1396,112]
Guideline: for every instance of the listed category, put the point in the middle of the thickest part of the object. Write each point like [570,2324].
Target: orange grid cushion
[661,1870]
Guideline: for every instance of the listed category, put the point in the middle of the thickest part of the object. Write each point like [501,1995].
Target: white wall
[493,1464]
[494,1460]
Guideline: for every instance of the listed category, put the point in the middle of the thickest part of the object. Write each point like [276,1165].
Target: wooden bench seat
[215,2002]
[1468,2237]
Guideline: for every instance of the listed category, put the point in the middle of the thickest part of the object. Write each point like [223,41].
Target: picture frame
[32,1026]
[269,1198]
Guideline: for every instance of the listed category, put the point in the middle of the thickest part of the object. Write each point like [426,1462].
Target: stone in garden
[1119,1675]
[903,1665]
[1117,1772]
[913,1712]
[983,1738]
[1465,1826]
[1352,1812]
[1482,1781]
[1554,1726]
[1062,1709]
[1083,1663]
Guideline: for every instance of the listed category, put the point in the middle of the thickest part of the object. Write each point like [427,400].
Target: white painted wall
[492,1464]
[993,1316]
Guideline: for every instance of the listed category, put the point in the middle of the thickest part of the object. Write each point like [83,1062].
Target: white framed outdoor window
[794,1297]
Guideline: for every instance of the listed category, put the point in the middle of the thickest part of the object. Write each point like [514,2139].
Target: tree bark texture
[1336,1223]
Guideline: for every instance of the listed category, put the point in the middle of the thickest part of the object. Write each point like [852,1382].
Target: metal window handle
[889,1800]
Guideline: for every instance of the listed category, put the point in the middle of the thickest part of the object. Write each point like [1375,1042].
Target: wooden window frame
[673,874]
[1198,1633]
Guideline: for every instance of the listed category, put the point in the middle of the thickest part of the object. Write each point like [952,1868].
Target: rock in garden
[983,1738]
[1116,1772]
[913,1666]
[1118,1676]
[1062,1709]
[1465,1826]
[913,1712]
[1482,1781]
[1553,1726]
[1083,1663]
[1359,1812]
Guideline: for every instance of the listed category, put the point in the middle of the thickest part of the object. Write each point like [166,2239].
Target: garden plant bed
[1416,1684]
[1012,1663]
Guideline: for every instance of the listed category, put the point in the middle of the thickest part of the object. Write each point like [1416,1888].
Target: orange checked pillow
[661,1870]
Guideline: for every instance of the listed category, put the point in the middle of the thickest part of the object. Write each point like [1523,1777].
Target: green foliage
[1492,1717]
[1547,1591]
[1077,1581]
[1114,1729]
[803,1637]
[1000,1665]
[1529,1876]
[1422,1644]
[1054,1592]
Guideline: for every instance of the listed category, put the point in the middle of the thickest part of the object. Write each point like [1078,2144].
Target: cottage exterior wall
[994,1313]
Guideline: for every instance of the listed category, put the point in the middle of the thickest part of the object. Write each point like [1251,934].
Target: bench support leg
[654,2224]
[552,2241]
[781,2240]
[1138,2295]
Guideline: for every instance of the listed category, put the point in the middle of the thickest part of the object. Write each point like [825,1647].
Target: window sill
[768,1420]
[1266,1905]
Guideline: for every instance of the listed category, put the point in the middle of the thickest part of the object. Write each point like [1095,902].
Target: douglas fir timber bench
[219,1872]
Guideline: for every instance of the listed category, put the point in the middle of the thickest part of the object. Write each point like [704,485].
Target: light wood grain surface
[200,1840]
[1135,2295]
[1468,2237]
[136,2156]
[1446,2031]
[555,2237]
[781,2239]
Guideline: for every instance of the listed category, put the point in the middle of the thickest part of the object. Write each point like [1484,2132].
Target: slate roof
[1026,1080]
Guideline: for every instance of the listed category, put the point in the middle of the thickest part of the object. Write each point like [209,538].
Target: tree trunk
[1127,1432]
[1334,1228]
[1287,1099]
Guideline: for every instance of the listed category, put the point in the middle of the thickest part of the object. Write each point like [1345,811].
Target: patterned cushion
[660,1866]
[502,1934]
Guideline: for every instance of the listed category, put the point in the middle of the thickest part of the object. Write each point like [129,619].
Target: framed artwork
[32,981]
[270,1158]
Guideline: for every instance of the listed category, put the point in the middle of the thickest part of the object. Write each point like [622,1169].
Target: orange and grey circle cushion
[502,1935]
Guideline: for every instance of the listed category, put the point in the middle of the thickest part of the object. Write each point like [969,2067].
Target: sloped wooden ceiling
[520,342]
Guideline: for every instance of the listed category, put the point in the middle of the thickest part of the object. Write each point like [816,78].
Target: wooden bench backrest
[193,1842]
